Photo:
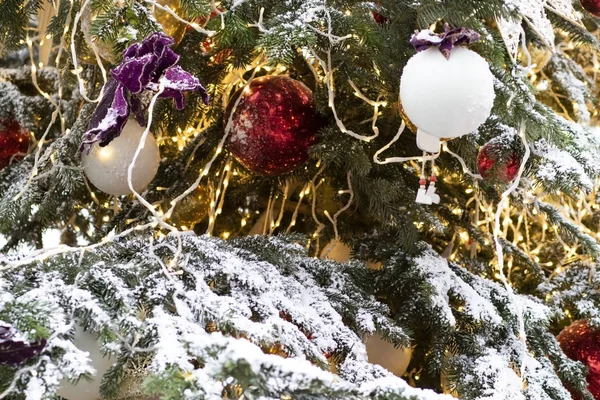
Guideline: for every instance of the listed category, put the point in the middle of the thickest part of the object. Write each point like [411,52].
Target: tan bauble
[84,389]
[326,199]
[341,252]
[412,127]
[446,387]
[336,251]
[191,210]
[261,225]
[383,353]
[172,27]
[104,50]
[107,167]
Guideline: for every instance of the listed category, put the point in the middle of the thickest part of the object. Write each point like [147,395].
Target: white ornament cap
[427,142]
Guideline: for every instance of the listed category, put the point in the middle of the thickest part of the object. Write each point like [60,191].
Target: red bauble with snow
[380,19]
[496,162]
[581,342]
[273,125]
[14,141]
[592,6]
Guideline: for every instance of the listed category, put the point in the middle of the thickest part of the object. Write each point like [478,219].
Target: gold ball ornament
[412,127]
[326,199]
[446,388]
[336,251]
[383,353]
[104,50]
[340,252]
[172,27]
[191,210]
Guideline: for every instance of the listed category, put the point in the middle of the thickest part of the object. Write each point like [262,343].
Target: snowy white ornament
[382,352]
[84,389]
[107,167]
[446,98]
[510,30]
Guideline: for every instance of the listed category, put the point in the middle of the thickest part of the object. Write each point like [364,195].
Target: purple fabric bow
[15,352]
[144,67]
[445,41]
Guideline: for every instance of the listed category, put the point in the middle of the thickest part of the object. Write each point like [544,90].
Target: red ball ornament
[273,125]
[592,6]
[380,19]
[494,162]
[203,20]
[14,141]
[581,342]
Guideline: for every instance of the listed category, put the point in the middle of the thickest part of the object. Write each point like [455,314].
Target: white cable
[77,70]
[500,252]
[466,170]
[390,160]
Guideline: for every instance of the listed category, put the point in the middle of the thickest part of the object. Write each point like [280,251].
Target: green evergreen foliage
[218,326]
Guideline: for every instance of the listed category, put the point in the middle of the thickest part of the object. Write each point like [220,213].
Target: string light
[55,104]
[341,210]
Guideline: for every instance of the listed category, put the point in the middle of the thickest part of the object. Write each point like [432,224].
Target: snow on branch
[234,304]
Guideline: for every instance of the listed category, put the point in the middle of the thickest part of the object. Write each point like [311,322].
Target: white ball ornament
[84,389]
[446,98]
[107,167]
[383,353]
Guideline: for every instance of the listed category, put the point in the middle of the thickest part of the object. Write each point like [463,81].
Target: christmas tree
[299,199]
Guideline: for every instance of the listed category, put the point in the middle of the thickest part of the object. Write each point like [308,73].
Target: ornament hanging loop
[427,195]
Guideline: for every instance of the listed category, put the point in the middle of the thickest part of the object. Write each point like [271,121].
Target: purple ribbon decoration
[446,41]
[144,66]
[14,352]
